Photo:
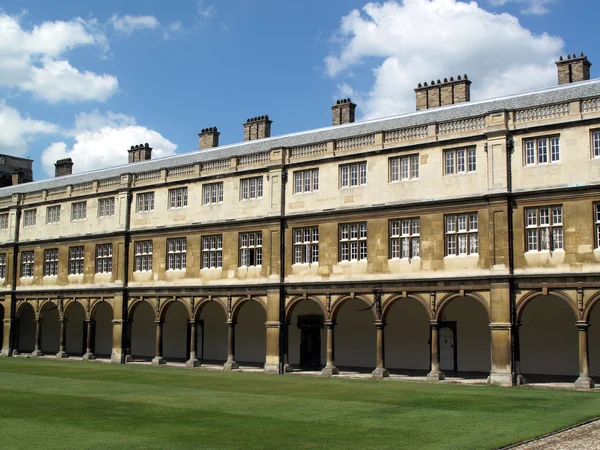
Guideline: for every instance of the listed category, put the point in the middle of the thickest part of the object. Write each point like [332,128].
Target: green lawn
[71,404]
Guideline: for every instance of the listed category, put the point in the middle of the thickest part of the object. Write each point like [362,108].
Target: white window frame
[53,214]
[76,260]
[404,168]
[461,234]
[212,193]
[78,211]
[178,198]
[544,229]
[27,263]
[212,251]
[250,245]
[144,202]
[405,238]
[541,150]
[306,181]
[251,188]
[460,160]
[353,174]
[51,262]
[2,266]
[4,221]
[106,207]
[142,251]
[104,258]
[595,143]
[176,254]
[306,245]
[352,242]
[29,217]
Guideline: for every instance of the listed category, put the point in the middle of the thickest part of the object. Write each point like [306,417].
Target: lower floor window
[306,245]
[462,236]
[176,254]
[251,249]
[104,258]
[143,256]
[353,242]
[405,238]
[27,262]
[76,260]
[51,262]
[544,228]
[212,251]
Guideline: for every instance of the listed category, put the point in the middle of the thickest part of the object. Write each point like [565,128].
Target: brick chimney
[208,138]
[343,112]
[63,167]
[443,93]
[257,128]
[17,177]
[142,152]
[573,69]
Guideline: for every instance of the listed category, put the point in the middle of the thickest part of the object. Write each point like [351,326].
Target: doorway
[448,352]
[310,340]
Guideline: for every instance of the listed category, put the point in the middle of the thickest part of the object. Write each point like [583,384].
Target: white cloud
[424,40]
[33,60]
[128,24]
[101,140]
[536,7]
[18,131]
[206,11]
[173,30]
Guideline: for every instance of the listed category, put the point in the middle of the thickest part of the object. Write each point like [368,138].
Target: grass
[71,404]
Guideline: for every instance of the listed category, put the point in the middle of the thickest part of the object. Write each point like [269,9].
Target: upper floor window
[251,249]
[212,251]
[542,150]
[213,193]
[53,214]
[462,237]
[176,254]
[596,144]
[76,259]
[178,198]
[29,217]
[354,174]
[353,242]
[306,181]
[597,220]
[544,228]
[460,160]
[78,211]
[51,262]
[404,168]
[144,202]
[405,238]
[27,263]
[306,245]
[106,207]
[252,188]
[143,256]
[2,265]
[4,221]
[104,258]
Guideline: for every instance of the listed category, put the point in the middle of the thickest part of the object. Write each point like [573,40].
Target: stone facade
[467,236]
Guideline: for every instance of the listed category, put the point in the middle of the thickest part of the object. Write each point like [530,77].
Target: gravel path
[585,437]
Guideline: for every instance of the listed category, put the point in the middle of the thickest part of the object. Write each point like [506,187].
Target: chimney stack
[142,152]
[257,128]
[208,138]
[443,93]
[343,112]
[573,69]
[63,167]
[17,177]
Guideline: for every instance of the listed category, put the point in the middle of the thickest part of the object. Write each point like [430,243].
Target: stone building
[467,234]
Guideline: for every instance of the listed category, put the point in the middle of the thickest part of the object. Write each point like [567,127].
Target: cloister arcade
[554,337]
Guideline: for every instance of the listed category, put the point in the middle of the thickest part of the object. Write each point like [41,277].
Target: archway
[26,329]
[103,330]
[75,333]
[307,342]
[251,334]
[355,336]
[175,333]
[465,338]
[143,332]
[2,329]
[407,335]
[50,329]
[594,343]
[211,334]
[548,338]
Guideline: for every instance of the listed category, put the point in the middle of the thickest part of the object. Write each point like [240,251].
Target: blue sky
[87,79]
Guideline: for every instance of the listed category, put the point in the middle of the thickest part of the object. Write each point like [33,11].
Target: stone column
[231,364]
[61,349]
[330,368]
[584,381]
[519,379]
[38,338]
[435,374]
[193,361]
[380,371]
[500,374]
[89,354]
[286,347]
[5,345]
[158,359]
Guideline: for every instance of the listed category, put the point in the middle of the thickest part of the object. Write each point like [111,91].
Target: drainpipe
[511,256]
[126,242]
[13,295]
[282,226]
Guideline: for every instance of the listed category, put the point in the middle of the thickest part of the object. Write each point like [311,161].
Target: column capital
[159,322]
[231,323]
[329,323]
[380,324]
[433,323]
[581,325]
[192,322]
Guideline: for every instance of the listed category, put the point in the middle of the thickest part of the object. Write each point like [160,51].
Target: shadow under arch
[391,301]
[102,315]
[250,332]
[294,302]
[527,298]
[587,312]
[340,301]
[165,308]
[447,300]
[25,330]
[50,327]
[203,303]
[240,303]
[142,330]
[210,315]
[75,316]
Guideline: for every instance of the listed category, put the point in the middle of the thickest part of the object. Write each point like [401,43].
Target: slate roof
[548,96]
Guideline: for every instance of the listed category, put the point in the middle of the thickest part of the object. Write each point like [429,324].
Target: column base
[435,376]
[271,368]
[89,357]
[520,380]
[62,355]
[4,352]
[157,361]
[329,371]
[380,373]
[16,352]
[230,365]
[500,379]
[584,383]
[287,368]
[34,354]
[192,363]
[115,358]
[127,359]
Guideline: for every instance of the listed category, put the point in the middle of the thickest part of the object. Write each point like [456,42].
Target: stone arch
[289,309]
[525,299]
[97,304]
[211,330]
[243,300]
[24,305]
[25,332]
[387,304]
[135,304]
[250,332]
[446,300]
[165,307]
[339,302]
[75,331]
[143,330]
[594,299]
[70,304]
[102,315]
[49,314]
[203,302]
[46,305]
[175,316]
